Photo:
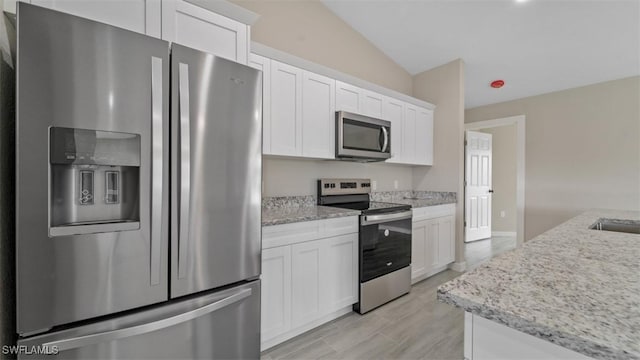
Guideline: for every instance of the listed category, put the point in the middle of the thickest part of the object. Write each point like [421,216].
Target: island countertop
[575,287]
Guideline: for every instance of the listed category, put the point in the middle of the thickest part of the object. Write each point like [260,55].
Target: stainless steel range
[385,240]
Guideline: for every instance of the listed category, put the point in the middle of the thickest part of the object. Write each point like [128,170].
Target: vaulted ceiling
[535,46]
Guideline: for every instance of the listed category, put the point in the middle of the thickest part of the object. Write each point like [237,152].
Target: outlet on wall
[395,184]
[503,213]
[374,185]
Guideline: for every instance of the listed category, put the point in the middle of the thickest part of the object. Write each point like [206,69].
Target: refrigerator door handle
[86,340]
[156,168]
[185,170]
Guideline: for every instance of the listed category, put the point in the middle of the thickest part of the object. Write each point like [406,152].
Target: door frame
[520,121]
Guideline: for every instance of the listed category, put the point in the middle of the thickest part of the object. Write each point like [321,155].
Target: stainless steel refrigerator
[138,190]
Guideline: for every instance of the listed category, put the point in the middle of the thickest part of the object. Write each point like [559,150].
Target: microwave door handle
[385,133]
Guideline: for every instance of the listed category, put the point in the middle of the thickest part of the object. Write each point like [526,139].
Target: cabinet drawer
[432,212]
[287,234]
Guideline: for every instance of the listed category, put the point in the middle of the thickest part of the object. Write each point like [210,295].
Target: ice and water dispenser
[94,181]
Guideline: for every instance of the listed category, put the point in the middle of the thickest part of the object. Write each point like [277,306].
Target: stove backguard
[94,181]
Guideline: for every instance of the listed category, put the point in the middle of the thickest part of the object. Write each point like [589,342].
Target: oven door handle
[377,219]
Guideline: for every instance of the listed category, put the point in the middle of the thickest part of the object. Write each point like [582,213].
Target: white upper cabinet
[409,134]
[318,116]
[348,97]
[142,16]
[285,133]
[193,26]
[393,110]
[301,106]
[358,100]
[424,137]
[264,64]
[372,104]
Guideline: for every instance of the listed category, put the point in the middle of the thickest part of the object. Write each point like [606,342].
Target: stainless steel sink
[617,225]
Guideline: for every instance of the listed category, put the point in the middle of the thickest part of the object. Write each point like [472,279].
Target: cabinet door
[431,248]
[264,64]
[424,137]
[339,272]
[318,116]
[393,110]
[348,97]
[201,29]
[306,272]
[276,292]
[446,240]
[372,104]
[286,110]
[419,248]
[409,134]
[141,16]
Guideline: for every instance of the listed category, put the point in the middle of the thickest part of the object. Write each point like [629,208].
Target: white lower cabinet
[276,291]
[309,276]
[305,282]
[488,340]
[432,240]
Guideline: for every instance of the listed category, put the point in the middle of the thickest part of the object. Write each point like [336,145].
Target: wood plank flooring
[477,252]
[415,326]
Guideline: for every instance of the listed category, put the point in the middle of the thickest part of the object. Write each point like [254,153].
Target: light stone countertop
[292,214]
[572,286]
[291,209]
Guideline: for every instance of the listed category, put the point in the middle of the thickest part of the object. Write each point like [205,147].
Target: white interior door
[478,189]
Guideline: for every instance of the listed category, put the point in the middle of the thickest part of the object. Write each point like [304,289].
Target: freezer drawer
[219,325]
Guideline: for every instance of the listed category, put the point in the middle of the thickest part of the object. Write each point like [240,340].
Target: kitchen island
[577,289]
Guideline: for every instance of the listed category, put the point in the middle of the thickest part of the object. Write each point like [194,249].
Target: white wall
[284,177]
[444,86]
[309,30]
[582,150]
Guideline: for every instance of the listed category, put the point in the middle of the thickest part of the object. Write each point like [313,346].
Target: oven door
[385,244]
[359,136]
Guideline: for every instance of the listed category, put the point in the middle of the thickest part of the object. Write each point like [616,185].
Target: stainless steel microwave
[362,138]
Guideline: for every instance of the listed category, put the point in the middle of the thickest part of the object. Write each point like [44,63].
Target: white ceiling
[536,47]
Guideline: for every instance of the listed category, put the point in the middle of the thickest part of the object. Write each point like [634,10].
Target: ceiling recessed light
[521,1]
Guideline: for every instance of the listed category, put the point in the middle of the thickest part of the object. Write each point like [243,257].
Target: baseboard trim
[503,233]
[458,266]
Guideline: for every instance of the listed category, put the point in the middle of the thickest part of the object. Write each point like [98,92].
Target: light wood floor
[415,326]
[477,252]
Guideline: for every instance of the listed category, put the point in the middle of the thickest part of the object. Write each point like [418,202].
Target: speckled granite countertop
[572,286]
[291,209]
[414,198]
